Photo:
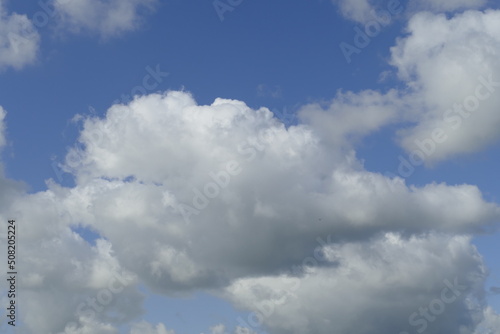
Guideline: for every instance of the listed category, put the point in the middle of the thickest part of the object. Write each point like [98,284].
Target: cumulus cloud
[386,285]
[203,185]
[68,286]
[61,272]
[144,167]
[19,40]
[225,198]
[451,66]
[490,323]
[106,18]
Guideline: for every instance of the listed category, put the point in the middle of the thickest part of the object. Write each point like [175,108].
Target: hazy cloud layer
[357,10]
[106,18]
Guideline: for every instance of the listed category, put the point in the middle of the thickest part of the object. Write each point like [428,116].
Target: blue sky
[107,173]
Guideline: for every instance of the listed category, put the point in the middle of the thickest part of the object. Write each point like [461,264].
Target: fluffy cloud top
[106,18]
[19,41]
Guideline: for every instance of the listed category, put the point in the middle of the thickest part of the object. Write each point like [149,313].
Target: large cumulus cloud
[157,169]
[141,166]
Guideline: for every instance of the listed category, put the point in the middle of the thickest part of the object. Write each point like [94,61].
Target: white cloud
[61,271]
[356,10]
[89,326]
[139,163]
[221,329]
[490,323]
[19,40]
[448,63]
[218,329]
[379,286]
[146,328]
[391,247]
[106,18]
[243,330]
